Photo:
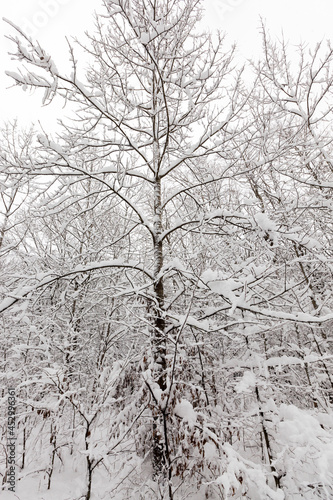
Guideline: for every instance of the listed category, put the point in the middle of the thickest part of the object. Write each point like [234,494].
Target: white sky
[49,21]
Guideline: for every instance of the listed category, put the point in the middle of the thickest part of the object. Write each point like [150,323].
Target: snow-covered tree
[170,269]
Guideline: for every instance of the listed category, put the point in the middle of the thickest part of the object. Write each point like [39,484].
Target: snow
[174,264]
[16,76]
[145,38]
[110,263]
[297,316]
[211,452]
[306,451]
[209,275]
[247,382]
[185,410]
[47,279]
[235,468]
[66,485]
[264,222]
[191,321]
[43,140]
[224,288]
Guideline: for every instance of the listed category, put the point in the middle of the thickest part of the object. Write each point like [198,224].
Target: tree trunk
[158,342]
[88,462]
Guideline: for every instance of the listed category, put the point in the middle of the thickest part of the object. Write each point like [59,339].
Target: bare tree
[157,101]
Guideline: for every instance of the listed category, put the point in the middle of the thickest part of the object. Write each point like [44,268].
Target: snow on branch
[32,53]
[48,279]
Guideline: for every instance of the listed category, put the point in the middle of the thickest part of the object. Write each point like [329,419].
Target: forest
[166,260]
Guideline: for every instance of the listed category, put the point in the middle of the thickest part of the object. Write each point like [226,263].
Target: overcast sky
[50,21]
